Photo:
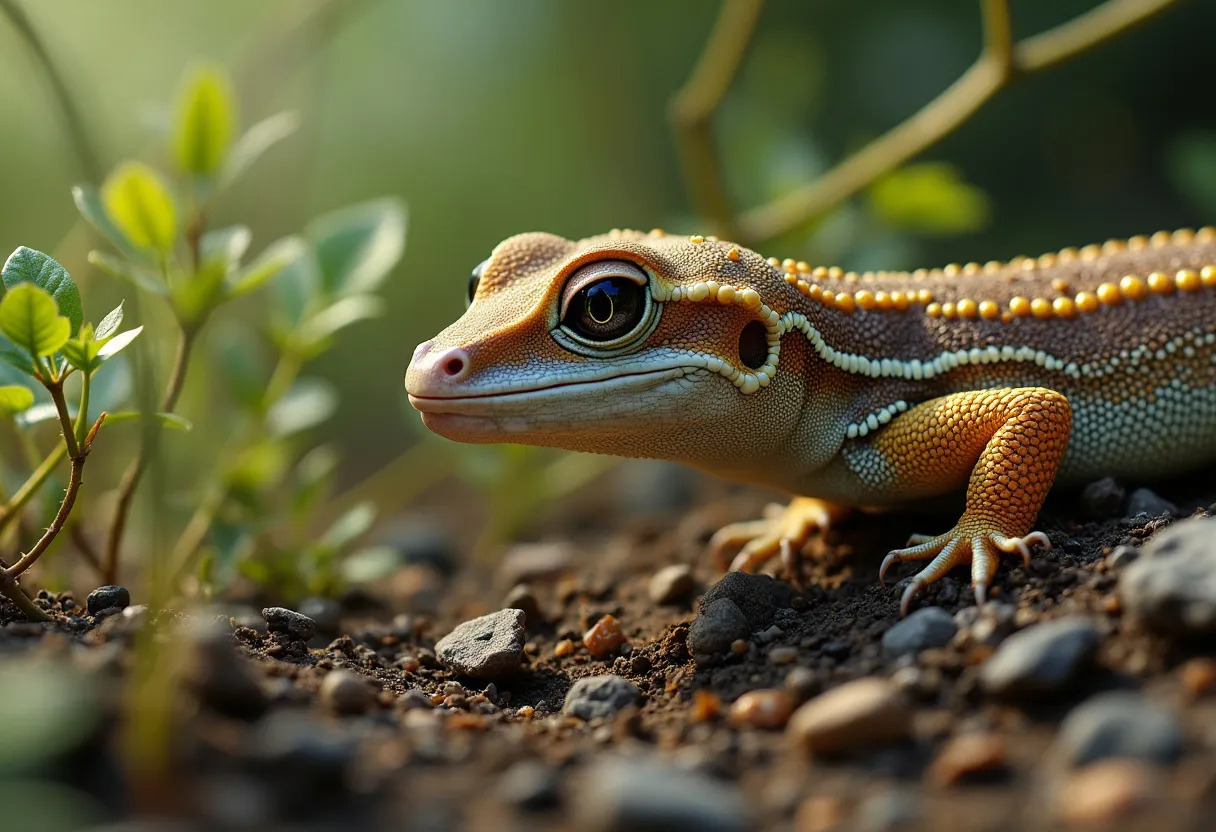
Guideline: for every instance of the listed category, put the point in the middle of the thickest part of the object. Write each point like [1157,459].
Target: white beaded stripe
[876,419]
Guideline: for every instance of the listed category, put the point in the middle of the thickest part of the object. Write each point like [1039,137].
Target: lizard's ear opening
[606,305]
[753,345]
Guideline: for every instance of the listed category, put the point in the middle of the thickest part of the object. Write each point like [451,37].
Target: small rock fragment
[289,623]
[346,692]
[758,597]
[671,584]
[925,628]
[1119,724]
[107,598]
[1198,676]
[720,623]
[856,715]
[596,697]
[489,647]
[967,757]
[630,795]
[1104,792]
[1042,659]
[706,706]
[1122,556]
[521,597]
[1172,588]
[604,637]
[766,709]
[1103,498]
[1145,501]
[526,562]
[563,648]
[782,655]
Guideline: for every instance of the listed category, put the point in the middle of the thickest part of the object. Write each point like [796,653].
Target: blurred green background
[491,118]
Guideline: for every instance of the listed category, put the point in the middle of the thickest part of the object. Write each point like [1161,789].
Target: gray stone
[346,692]
[643,795]
[1103,498]
[596,697]
[758,597]
[326,612]
[1042,659]
[289,623]
[521,597]
[1145,501]
[925,628]
[719,624]
[1119,724]
[671,584]
[108,598]
[1172,587]
[488,647]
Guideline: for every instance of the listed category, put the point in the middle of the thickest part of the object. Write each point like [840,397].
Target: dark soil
[258,742]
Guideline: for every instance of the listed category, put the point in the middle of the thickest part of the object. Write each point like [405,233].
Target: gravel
[1145,501]
[671,584]
[346,692]
[108,598]
[855,716]
[1042,659]
[720,623]
[489,647]
[758,597]
[1119,724]
[925,628]
[642,795]
[289,623]
[596,697]
[1172,587]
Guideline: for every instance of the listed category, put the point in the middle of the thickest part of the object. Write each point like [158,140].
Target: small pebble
[1119,724]
[488,647]
[604,637]
[765,709]
[521,597]
[1043,659]
[1198,676]
[927,627]
[706,706]
[289,623]
[563,648]
[671,584]
[1103,793]
[783,655]
[719,624]
[1122,556]
[1103,498]
[597,697]
[107,598]
[802,683]
[1172,588]
[758,597]
[346,692]
[967,757]
[857,715]
[1146,501]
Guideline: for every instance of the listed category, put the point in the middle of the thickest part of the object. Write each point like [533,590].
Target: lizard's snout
[436,371]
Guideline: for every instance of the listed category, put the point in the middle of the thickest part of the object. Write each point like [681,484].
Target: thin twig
[999,64]
[693,107]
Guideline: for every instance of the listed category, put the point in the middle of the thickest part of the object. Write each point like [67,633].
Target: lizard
[993,380]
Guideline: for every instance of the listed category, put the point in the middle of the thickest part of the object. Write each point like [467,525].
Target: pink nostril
[454,366]
[451,364]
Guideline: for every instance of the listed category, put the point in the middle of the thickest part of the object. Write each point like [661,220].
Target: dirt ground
[353,721]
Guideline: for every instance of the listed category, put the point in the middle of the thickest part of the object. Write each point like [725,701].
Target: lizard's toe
[784,532]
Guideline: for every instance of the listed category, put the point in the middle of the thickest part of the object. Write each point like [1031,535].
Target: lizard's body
[860,389]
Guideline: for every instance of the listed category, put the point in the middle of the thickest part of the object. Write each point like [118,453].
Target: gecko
[993,381]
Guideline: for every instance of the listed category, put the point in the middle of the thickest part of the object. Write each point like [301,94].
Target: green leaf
[929,198]
[350,526]
[15,398]
[309,402]
[239,356]
[358,245]
[204,122]
[169,420]
[25,265]
[118,342]
[130,272]
[276,257]
[88,203]
[337,316]
[30,319]
[81,353]
[109,324]
[257,140]
[223,248]
[16,359]
[141,207]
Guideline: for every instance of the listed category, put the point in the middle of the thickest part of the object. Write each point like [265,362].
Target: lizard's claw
[958,546]
[783,531]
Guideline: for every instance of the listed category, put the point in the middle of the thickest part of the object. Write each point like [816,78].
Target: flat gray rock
[720,623]
[1172,586]
[598,697]
[1042,659]
[1119,724]
[488,647]
[925,628]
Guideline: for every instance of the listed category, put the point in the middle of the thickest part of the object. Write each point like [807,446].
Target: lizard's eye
[474,281]
[605,302]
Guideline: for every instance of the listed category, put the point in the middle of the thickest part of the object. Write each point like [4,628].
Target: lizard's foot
[783,530]
[968,542]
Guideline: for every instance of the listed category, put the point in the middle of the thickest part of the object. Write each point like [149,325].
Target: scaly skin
[859,389]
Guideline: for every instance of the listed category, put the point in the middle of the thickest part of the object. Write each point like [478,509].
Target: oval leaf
[88,203]
[141,207]
[309,402]
[14,398]
[25,265]
[204,122]
[118,342]
[109,324]
[276,257]
[257,140]
[358,245]
[169,420]
[30,319]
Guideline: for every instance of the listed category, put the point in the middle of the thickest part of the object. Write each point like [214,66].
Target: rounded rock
[1119,724]
[108,598]
[346,692]
[927,627]
[488,647]
[1042,659]
[1103,498]
[1146,501]
[289,623]
[720,624]
[1173,586]
[671,584]
[758,597]
[597,697]
[857,715]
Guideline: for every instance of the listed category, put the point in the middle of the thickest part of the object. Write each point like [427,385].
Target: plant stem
[65,421]
[135,471]
[82,417]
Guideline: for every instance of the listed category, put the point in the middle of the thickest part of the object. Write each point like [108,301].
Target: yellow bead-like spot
[1019,307]
[749,298]
[971,268]
[1207,234]
[924,296]
[819,272]
[993,266]
[789,264]
[1067,255]
[835,272]
[791,278]
[900,300]
[696,238]
[1064,307]
[967,308]
[952,270]
[1160,283]
[934,310]
[989,310]
[1137,243]
[882,300]
[726,294]
[1188,280]
[1113,246]
[1046,261]
[1061,285]
[803,287]
[1161,238]
[1108,294]
[865,299]
[1091,252]
[948,310]
[1183,236]
[657,232]
[1133,288]
[774,262]
[803,266]
[1208,275]
[733,255]
[1087,302]
[844,302]
[1040,308]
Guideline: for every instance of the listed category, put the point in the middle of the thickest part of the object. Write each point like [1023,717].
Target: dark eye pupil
[607,309]
[475,280]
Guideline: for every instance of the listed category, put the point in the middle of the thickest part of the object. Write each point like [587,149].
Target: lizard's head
[630,343]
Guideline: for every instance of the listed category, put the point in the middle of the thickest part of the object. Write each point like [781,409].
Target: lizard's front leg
[1006,445]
